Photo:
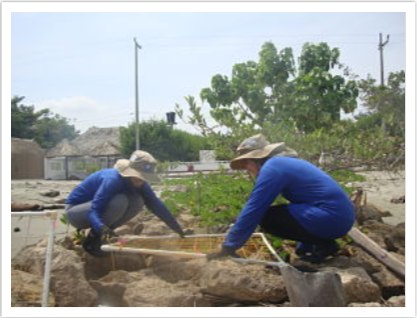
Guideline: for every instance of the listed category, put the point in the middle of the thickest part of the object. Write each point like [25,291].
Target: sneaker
[320,252]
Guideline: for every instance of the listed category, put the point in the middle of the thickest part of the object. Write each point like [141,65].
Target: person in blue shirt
[111,197]
[319,210]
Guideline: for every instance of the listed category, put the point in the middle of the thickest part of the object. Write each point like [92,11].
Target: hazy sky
[81,65]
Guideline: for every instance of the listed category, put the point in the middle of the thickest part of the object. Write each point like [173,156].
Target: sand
[380,186]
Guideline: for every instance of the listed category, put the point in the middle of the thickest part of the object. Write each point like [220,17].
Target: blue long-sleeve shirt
[317,202]
[101,186]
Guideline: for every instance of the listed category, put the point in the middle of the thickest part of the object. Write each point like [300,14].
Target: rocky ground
[77,279]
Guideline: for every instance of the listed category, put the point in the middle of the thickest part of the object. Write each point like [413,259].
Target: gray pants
[121,208]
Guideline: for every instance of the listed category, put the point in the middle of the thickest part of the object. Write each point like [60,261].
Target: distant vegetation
[163,141]
[301,104]
[45,127]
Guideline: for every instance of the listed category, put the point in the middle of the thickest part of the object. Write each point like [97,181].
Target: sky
[81,65]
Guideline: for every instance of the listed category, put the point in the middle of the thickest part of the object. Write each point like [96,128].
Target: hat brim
[122,165]
[269,150]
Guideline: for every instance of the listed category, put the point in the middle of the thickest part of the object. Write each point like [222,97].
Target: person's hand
[106,234]
[185,232]
[224,252]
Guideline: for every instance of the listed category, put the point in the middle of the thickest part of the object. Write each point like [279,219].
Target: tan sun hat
[257,147]
[140,165]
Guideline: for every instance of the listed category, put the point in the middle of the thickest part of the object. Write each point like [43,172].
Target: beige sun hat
[257,147]
[140,165]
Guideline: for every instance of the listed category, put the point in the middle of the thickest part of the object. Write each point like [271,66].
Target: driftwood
[378,252]
[17,207]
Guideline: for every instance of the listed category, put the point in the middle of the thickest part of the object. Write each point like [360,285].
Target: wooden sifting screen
[256,248]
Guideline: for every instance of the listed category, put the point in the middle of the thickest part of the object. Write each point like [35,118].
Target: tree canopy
[162,141]
[276,89]
[43,126]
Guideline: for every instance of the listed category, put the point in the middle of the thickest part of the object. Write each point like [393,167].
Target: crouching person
[319,210]
[111,197]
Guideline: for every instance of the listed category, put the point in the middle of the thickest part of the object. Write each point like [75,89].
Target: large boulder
[68,283]
[151,291]
[145,289]
[111,288]
[389,284]
[358,287]
[242,283]
[27,290]
[395,239]
[177,270]
[99,267]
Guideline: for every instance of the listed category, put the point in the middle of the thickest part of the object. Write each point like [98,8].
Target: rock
[50,193]
[96,268]
[396,301]
[395,239]
[60,200]
[174,272]
[151,291]
[137,228]
[68,283]
[111,288]
[367,262]
[123,230]
[250,283]
[156,228]
[16,207]
[389,284]
[27,290]
[401,199]
[357,285]
[171,285]
[374,304]
[369,212]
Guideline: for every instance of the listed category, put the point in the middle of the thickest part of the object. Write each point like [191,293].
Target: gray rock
[50,193]
[27,290]
[68,283]
[241,283]
[389,284]
[357,285]
[396,301]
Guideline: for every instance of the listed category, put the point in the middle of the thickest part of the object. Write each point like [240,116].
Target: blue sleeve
[158,208]
[269,185]
[108,188]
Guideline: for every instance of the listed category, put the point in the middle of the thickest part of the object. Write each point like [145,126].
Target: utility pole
[381,54]
[137,47]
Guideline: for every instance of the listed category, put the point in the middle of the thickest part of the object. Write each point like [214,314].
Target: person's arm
[269,185]
[109,187]
[158,208]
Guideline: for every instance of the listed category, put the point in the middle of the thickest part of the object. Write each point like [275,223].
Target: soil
[380,186]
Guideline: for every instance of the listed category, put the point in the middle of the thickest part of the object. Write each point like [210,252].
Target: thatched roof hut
[27,159]
[64,149]
[94,142]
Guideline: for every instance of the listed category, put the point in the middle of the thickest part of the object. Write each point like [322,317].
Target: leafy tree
[162,141]
[43,126]
[273,90]
[386,104]
[24,118]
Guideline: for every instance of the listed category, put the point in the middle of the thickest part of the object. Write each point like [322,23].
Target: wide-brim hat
[256,147]
[141,165]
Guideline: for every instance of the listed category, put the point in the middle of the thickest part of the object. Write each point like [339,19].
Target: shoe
[304,248]
[320,252]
